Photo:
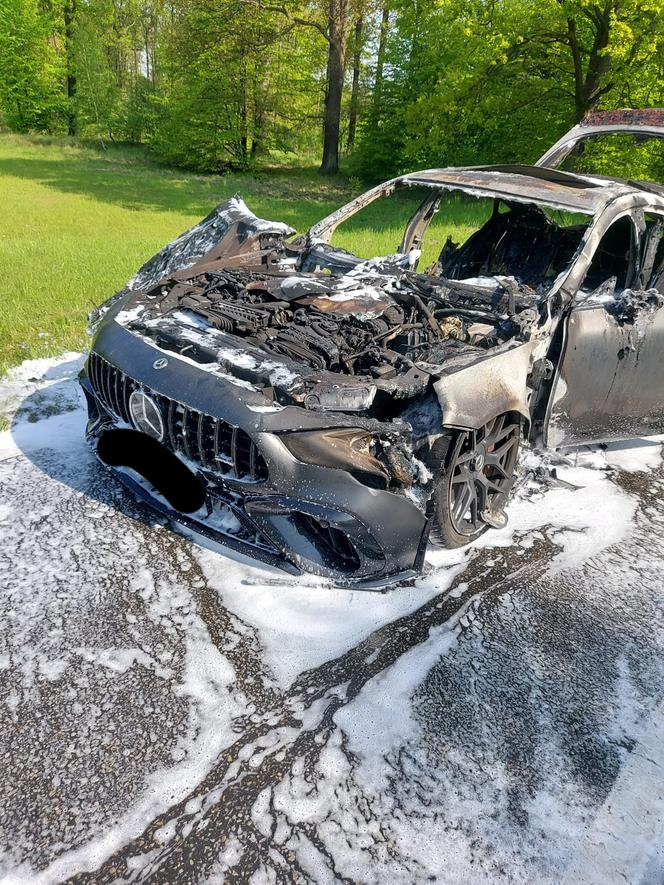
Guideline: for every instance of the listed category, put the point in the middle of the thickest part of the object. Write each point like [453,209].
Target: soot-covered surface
[170,715]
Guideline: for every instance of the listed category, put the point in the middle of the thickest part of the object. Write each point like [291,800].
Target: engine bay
[367,322]
[306,322]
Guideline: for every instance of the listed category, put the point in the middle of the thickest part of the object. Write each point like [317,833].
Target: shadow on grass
[296,195]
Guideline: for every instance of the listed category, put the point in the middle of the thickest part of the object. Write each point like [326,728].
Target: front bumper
[269,506]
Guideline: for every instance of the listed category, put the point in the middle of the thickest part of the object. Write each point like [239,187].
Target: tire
[478,473]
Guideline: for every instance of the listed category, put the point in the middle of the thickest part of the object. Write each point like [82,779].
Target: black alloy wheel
[476,483]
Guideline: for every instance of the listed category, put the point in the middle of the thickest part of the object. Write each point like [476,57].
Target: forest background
[123,122]
[378,86]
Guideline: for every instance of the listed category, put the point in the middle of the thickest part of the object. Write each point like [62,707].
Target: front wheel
[476,482]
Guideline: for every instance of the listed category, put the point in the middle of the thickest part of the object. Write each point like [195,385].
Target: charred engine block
[349,344]
[247,304]
[365,326]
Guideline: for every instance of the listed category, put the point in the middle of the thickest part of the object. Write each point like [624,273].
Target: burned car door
[609,383]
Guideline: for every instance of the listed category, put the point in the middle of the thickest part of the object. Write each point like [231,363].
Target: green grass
[78,221]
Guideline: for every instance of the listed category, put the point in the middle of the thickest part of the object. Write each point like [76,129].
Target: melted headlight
[351,449]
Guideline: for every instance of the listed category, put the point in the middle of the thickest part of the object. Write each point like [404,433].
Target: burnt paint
[610,383]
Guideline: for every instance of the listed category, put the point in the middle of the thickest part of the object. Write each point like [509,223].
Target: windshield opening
[464,237]
[627,155]
[378,229]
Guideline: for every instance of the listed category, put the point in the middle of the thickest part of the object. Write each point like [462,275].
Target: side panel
[473,395]
[610,380]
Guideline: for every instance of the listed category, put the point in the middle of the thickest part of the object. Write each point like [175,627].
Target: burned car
[327,412]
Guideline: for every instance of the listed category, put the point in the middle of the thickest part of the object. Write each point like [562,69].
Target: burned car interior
[521,242]
[335,413]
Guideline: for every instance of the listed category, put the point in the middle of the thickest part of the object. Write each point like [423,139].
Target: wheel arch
[471,397]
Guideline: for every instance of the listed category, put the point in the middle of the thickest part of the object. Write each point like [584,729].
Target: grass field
[78,221]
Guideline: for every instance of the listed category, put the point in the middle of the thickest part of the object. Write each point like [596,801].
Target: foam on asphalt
[171,714]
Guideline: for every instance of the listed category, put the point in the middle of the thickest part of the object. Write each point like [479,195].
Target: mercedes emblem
[145,415]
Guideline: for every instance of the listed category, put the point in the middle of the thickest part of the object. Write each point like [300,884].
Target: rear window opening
[627,155]
[613,258]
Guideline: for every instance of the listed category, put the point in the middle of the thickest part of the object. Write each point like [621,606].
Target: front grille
[202,438]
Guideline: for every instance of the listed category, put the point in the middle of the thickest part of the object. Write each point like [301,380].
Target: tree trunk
[355,88]
[336,59]
[69,14]
[244,120]
[380,58]
[589,86]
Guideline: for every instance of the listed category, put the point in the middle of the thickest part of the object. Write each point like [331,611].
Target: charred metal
[328,413]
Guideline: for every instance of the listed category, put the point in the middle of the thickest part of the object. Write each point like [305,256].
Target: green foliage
[31,67]
[97,102]
[622,156]
[112,49]
[216,85]
[475,82]
[226,80]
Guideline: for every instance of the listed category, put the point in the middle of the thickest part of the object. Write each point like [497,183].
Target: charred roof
[625,117]
[533,184]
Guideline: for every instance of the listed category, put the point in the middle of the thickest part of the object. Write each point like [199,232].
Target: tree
[31,68]
[470,81]
[232,79]
[380,57]
[335,32]
[355,87]
[337,36]
[606,39]
[69,15]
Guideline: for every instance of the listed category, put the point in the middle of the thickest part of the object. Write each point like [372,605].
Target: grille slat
[171,425]
[209,424]
[110,384]
[234,446]
[117,383]
[100,378]
[253,462]
[215,440]
[107,388]
[200,430]
[204,439]
[124,402]
[185,433]
[92,370]
[103,386]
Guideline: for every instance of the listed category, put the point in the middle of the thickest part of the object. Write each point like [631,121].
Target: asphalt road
[170,715]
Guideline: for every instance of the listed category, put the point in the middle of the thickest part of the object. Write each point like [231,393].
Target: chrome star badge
[145,415]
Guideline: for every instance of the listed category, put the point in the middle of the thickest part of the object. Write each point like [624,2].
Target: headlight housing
[351,449]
